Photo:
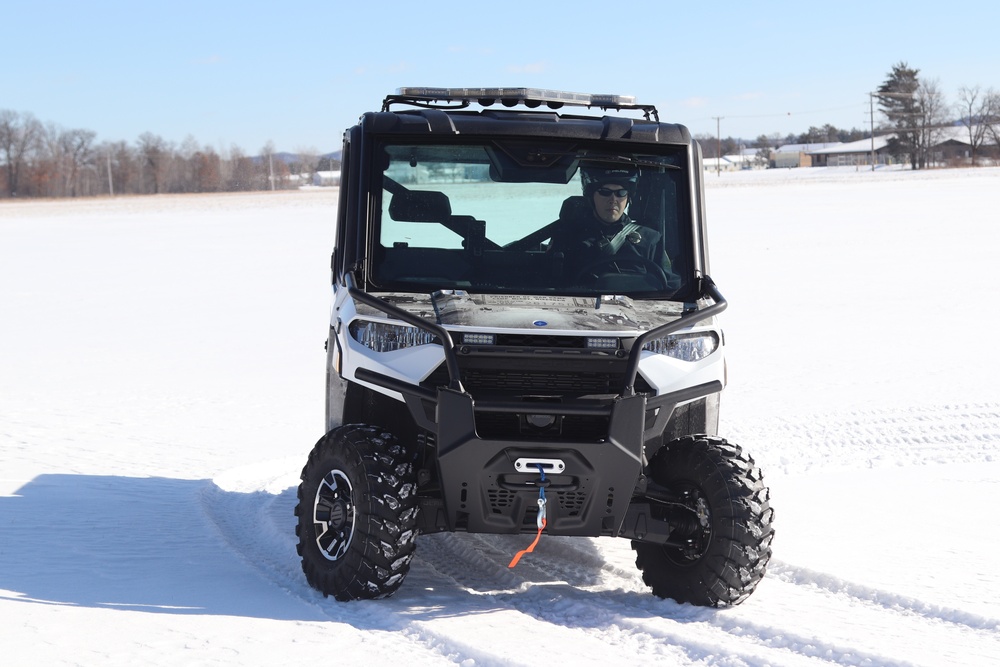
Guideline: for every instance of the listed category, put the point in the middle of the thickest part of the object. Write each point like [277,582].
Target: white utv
[491,372]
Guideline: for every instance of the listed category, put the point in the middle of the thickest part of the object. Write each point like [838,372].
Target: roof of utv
[447,111]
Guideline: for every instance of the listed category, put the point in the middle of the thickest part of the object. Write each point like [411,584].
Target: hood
[552,314]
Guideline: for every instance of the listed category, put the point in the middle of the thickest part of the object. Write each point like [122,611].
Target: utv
[492,371]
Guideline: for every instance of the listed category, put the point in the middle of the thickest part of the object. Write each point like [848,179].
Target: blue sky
[297,74]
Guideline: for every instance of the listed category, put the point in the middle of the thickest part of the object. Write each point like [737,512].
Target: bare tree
[78,153]
[991,118]
[19,137]
[307,164]
[63,160]
[155,154]
[44,175]
[933,116]
[125,168]
[991,121]
[183,176]
[969,110]
[207,171]
[243,172]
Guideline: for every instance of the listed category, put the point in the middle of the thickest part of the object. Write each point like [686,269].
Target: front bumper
[486,492]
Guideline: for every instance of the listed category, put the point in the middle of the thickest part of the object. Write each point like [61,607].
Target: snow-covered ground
[161,382]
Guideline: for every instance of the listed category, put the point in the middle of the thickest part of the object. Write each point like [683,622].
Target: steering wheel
[648,264]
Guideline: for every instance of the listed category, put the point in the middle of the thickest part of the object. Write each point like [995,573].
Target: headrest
[419,206]
[574,207]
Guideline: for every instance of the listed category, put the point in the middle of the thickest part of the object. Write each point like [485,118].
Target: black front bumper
[484,492]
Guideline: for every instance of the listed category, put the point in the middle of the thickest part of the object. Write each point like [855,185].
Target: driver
[602,230]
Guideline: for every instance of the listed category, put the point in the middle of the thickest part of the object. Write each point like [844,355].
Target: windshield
[532,218]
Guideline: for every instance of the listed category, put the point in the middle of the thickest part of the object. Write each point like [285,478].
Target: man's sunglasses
[607,192]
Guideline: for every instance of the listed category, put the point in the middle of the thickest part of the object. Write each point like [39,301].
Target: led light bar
[602,343]
[512,96]
[479,338]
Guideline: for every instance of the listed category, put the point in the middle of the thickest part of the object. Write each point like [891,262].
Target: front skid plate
[483,491]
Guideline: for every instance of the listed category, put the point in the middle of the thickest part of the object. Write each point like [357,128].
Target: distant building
[951,145]
[327,178]
[852,153]
[797,155]
[748,158]
[714,164]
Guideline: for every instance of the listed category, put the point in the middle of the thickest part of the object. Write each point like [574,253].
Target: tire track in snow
[259,527]
[566,587]
[894,602]
[573,585]
[926,634]
[617,609]
[961,433]
[545,602]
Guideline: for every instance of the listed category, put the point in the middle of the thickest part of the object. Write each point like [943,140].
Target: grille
[523,381]
[533,341]
[500,500]
[542,381]
[569,427]
[585,428]
[571,503]
[527,340]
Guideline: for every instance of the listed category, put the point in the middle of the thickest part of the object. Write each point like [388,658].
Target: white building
[326,177]
[797,155]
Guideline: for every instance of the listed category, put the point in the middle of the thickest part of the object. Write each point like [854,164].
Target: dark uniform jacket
[586,241]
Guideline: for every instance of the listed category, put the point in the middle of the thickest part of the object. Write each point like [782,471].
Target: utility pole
[871,111]
[111,187]
[718,146]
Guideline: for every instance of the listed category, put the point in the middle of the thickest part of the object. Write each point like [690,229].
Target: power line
[789,113]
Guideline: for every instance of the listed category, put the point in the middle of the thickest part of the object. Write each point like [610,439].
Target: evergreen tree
[897,99]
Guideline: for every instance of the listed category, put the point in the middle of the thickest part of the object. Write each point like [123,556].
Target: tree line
[914,111]
[44,160]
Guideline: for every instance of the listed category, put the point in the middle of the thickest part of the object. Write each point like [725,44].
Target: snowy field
[161,383]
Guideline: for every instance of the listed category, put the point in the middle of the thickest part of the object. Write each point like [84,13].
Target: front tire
[357,513]
[721,511]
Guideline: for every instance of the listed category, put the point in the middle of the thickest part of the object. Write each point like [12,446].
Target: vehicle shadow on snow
[138,544]
[180,546]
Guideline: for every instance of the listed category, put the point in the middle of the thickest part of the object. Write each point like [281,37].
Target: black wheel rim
[333,515]
[695,531]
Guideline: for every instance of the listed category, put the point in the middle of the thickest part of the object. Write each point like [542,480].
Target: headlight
[382,337]
[686,346]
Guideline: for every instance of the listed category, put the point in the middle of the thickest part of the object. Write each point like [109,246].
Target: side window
[343,236]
